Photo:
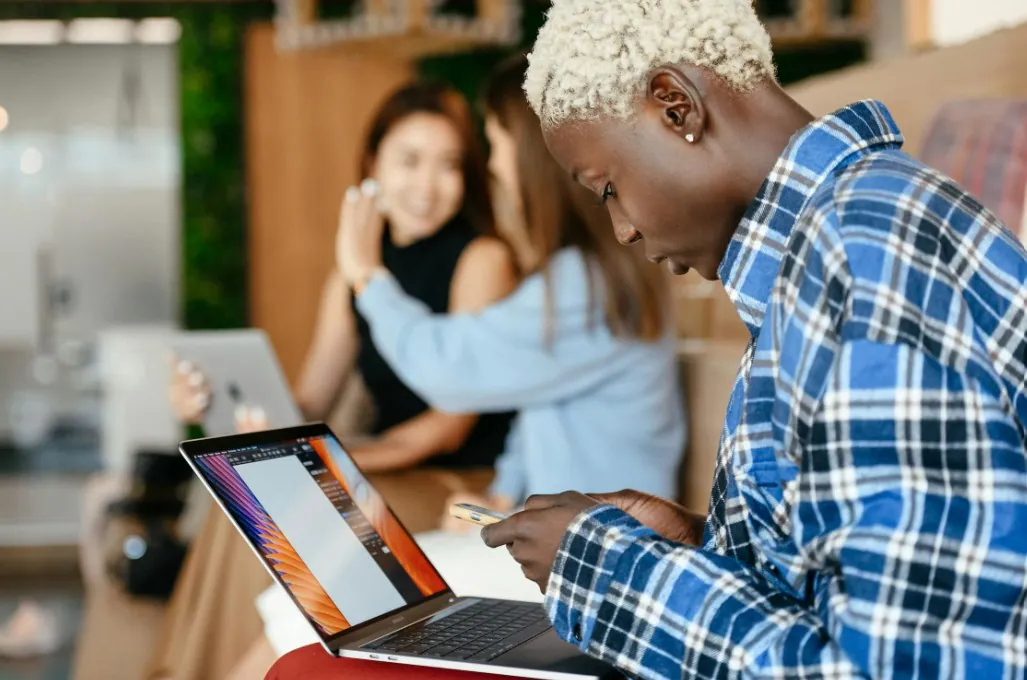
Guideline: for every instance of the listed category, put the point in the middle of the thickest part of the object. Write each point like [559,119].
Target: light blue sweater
[597,412]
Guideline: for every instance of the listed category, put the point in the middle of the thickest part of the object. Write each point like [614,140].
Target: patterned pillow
[982,144]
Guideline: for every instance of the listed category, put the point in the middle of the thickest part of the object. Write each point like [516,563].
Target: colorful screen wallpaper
[282,557]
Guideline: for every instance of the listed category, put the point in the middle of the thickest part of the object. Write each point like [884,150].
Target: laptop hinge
[398,621]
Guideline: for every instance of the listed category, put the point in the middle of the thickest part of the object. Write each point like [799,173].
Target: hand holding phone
[476,514]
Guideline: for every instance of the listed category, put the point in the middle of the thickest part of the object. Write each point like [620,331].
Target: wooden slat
[304,11]
[918,24]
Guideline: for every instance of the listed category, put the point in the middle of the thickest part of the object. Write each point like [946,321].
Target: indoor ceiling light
[100,31]
[158,31]
[31,32]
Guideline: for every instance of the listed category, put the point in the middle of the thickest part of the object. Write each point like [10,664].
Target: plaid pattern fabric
[871,484]
[982,144]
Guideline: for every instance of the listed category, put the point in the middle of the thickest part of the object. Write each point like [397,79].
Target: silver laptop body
[353,570]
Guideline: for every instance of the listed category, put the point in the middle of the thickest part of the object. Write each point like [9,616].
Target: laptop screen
[317,522]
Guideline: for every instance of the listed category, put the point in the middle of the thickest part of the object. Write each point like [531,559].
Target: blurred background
[179,165]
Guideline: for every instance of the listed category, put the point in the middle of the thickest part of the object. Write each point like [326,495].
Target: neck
[401,239]
[767,119]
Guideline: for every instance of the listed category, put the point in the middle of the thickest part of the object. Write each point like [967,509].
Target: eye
[608,193]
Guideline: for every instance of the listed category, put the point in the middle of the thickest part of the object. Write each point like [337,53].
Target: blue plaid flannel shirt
[869,510]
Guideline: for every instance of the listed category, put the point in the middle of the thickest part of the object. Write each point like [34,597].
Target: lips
[421,211]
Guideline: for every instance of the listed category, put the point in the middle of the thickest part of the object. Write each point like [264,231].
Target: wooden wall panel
[306,114]
[914,86]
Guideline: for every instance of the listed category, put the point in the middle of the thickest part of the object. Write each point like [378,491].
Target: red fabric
[314,663]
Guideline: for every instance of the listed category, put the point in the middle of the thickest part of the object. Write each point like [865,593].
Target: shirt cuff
[377,293]
[389,312]
[583,569]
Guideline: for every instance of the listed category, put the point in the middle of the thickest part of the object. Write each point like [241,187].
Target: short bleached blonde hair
[592,57]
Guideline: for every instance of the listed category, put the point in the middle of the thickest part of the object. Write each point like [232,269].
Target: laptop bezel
[365,631]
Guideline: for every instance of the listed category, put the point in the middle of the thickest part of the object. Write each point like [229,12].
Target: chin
[708,274]
[414,228]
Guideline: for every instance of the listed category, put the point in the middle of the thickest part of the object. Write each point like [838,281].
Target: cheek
[392,180]
[451,189]
[503,168]
[643,210]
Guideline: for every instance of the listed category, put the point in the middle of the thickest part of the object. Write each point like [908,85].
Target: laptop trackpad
[549,652]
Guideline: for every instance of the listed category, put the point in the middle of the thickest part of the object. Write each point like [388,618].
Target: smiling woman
[426,186]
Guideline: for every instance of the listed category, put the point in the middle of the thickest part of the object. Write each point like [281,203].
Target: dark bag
[144,552]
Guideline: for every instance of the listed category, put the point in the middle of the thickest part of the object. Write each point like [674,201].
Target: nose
[624,232]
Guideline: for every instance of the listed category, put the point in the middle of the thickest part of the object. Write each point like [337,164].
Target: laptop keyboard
[479,632]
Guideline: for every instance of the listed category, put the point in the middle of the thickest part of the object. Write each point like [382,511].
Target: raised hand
[189,392]
[358,243]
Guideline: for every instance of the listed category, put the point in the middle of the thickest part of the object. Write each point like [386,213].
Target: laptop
[241,369]
[355,573]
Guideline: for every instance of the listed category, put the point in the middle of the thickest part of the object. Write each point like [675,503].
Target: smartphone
[476,514]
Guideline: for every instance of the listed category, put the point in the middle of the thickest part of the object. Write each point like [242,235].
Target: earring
[690,138]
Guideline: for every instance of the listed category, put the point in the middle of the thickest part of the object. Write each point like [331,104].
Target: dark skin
[533,536]
[678,177]
[682,199]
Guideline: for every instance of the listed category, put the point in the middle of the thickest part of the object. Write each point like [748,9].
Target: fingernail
[352,194]
[184,367]
[369,187]
[201,400]
[257,413]
[241,413]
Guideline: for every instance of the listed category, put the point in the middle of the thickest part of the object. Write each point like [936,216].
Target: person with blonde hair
[870,491]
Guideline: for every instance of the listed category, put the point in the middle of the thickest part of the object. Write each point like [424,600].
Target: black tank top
[424,269]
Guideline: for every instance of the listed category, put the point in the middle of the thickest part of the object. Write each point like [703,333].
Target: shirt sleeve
[908,517]
[497,359]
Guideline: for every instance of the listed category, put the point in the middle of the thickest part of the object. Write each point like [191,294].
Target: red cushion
[314,663]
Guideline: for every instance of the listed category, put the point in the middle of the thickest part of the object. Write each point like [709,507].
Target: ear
[673,96]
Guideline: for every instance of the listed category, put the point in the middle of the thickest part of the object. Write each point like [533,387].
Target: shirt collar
[754,255]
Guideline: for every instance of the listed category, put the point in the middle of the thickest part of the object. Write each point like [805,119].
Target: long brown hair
[442,100]
[561,213]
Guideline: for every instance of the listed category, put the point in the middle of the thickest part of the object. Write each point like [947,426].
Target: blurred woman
[583,349]
[425,172]
[426,176]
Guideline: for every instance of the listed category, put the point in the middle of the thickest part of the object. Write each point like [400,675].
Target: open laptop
[242,369]
[355,572]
